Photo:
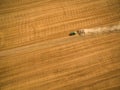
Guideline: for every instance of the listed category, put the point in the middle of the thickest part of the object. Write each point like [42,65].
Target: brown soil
[37,53]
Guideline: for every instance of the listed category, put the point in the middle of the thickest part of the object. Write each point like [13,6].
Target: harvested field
[37,53]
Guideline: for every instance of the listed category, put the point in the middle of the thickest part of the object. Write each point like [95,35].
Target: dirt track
[37,53]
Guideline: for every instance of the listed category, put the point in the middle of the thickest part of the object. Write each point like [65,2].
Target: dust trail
[99,30]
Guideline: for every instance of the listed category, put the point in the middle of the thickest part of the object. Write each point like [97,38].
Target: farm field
[37,53]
